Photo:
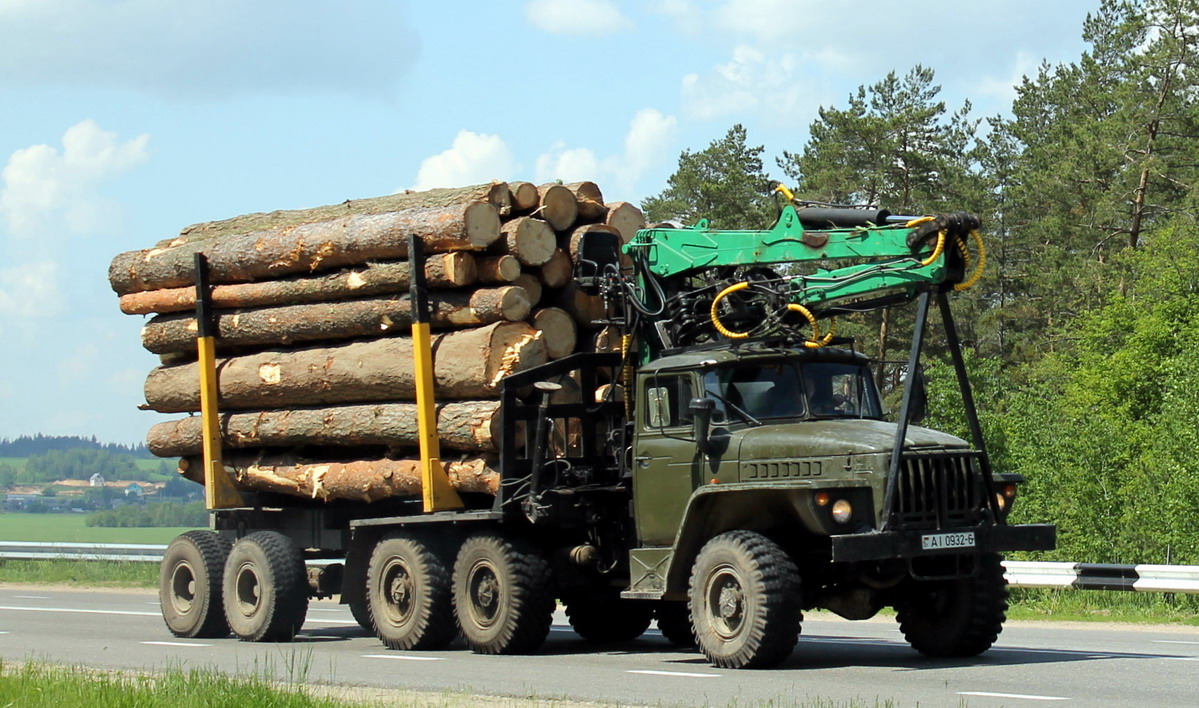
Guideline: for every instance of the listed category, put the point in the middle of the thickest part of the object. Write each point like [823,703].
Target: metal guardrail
[1020,574]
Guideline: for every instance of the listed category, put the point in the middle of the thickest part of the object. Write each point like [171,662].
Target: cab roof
[702,358]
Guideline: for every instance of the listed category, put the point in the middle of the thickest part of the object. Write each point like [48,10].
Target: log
[557,206]
[358,480]
[495,270]
[531,284]
[351,240]
[607,340]
[468,364]
[442,270]
[586,309]
[524,197]
[626,218]
[531,241]
[590,200]
[495,193]
[557,271]
[559,331]
[314,322]
[468,425]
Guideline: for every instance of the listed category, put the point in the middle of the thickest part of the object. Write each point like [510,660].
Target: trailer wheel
[744,601]
[408,589]
[605,617]
[189,585]
[958,617]
[502,598]
[265,588]
[674,622]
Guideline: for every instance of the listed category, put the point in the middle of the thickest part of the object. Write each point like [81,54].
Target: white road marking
[176,644]
[323,609]
[32,597]
[79,611]
[347,621]
[1172,641]
[671,673]
[1021,696]
[1180,658]
[401,657]
[4,632]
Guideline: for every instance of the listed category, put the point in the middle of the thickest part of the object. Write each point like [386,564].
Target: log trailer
[728,468]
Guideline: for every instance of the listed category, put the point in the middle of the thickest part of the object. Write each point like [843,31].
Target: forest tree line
[1083,336]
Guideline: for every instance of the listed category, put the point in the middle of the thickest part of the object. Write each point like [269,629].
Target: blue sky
[122,121]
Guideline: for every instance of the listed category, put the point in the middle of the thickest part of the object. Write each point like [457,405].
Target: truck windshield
[753,392]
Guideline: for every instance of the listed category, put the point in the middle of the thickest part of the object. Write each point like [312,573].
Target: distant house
[134,491]
[96,480]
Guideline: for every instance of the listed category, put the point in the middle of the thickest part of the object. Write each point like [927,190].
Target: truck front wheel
[744,601]
[958,617]
[265,588]
[408,587]
[189,585]
[502,598]
[604,617]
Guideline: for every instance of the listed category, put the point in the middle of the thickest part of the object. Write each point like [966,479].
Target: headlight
[842,511]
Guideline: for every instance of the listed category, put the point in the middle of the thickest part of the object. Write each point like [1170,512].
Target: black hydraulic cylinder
[840,218]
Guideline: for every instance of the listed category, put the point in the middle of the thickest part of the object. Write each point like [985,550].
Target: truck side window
[669,398]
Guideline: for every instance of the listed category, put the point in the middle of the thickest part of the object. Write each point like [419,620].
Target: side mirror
[701,421]
[918,406]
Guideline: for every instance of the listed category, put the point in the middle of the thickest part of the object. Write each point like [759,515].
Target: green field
[69,528]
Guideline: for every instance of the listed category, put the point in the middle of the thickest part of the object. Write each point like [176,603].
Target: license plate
[933,541]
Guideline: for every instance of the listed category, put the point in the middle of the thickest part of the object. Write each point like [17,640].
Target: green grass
[78,573]
[1104,606]
[70,528]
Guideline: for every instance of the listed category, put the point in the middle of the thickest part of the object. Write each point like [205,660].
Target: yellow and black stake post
[219,492]
[436,491]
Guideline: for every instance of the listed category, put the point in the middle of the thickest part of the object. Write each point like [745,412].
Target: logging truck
[722,464]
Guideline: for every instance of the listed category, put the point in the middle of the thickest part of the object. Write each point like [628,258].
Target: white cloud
[29,290]
[1003,88]
[752,82]
[582,17]
[42,184]
[472,158]
[647,144]
[215,47]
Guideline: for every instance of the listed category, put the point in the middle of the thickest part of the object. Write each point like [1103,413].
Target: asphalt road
[1033,663]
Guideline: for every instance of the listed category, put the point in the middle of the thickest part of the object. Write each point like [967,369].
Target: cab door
[667,464]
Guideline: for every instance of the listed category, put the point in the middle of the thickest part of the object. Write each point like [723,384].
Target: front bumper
[906,544]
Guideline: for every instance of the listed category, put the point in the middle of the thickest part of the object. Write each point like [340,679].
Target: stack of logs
[315,365]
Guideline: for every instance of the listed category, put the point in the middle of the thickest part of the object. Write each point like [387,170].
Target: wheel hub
[183,588]
[726,602]
[248,590]
[399,589]
[484,594]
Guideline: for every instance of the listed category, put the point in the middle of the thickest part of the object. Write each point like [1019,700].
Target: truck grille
[937,491]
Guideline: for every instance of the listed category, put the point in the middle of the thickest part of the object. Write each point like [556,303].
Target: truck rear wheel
[265,589]
[189,585]
[958,617]
[408,588]
[502,599]
[674,622]
[353,592]
[744,601]
[604,617]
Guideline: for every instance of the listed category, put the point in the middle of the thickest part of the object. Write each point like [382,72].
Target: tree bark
[496,270]
[558,206]
[467,364]
[359,480]
[590,200]
[524,197]
[557,271]
[571,243]
[496,194]
[314,322]
[468,425]
[626,218]
[442,270]
[586,309]
[559,331]
[352,240]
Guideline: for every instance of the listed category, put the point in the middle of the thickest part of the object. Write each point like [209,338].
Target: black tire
[265,588]
[408,593]
[189,585]
[744,601]
[353,591]
[674,622]
[955,618]
[603,617]
[502,598]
